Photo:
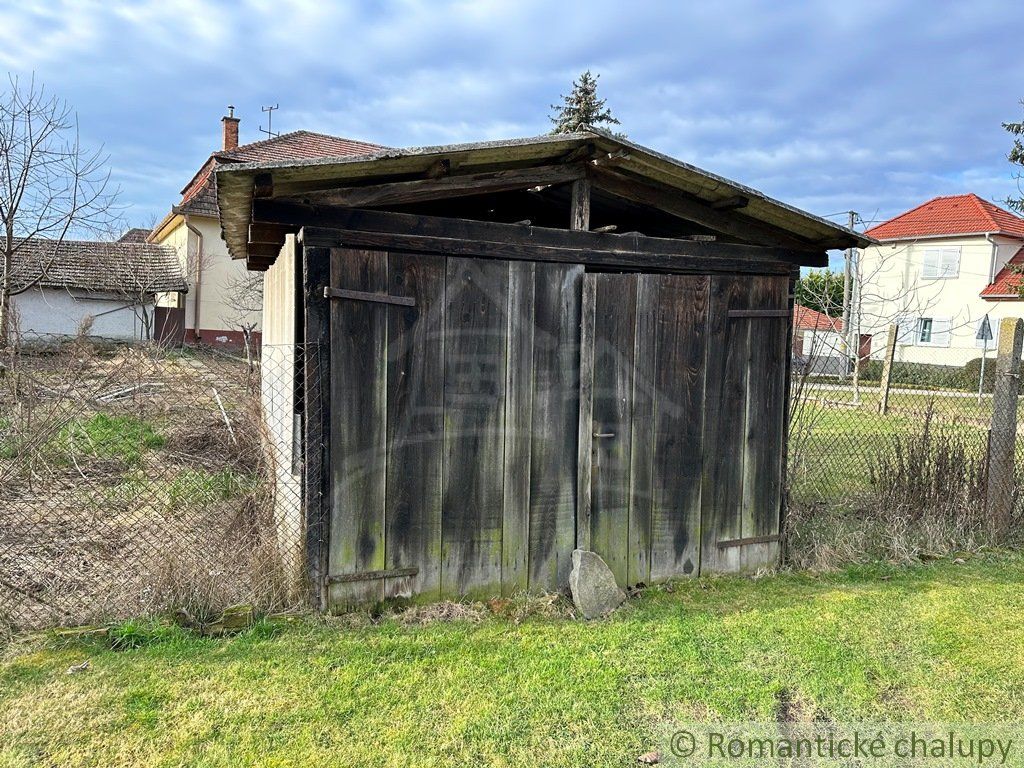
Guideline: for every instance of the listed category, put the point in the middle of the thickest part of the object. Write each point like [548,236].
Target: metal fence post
[1002,436]
[890,354]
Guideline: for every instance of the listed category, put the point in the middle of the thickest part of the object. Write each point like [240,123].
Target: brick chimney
[230,123]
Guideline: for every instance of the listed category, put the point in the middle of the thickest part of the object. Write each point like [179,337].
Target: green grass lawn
[931,642]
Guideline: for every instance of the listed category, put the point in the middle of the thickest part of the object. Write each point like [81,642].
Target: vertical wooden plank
[679,433]
[724,423]
[645,362]
[476,299]
[555,423]
[415,423]
[315,384]
[762,452]
[612,405]
[585,445]
[358,425]
[518,424]
[580,205]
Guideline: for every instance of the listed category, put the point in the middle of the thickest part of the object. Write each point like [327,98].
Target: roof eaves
[685,175]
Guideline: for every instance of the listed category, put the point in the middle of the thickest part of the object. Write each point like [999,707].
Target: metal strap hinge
[391,573]
[750,540]
[378,298]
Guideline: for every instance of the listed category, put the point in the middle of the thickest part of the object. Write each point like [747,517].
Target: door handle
[604,434]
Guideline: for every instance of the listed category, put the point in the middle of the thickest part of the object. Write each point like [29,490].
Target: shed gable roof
[952,215]
[672,181]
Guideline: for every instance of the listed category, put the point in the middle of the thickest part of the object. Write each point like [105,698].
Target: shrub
[931,376]
[925,496]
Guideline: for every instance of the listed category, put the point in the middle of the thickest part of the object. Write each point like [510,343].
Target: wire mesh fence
[911,445]
[137,479]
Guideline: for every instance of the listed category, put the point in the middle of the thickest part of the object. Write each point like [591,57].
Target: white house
[107,287]
[937,271]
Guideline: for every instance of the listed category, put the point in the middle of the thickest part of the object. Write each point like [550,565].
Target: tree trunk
[5,302]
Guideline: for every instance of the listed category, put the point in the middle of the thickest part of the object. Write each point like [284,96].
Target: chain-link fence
[907,442]
[136,479]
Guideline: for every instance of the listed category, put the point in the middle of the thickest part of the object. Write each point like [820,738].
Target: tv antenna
[269,130]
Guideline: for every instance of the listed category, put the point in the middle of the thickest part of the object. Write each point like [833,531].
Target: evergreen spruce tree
[582,109]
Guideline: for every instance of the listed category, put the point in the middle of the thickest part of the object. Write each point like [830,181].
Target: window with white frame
[933,332]
[941,263]
[925,331]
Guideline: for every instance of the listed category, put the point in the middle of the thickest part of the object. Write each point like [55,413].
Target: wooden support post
[890,355]
[580,205]
[316,356]
[586,428]
[1002,437]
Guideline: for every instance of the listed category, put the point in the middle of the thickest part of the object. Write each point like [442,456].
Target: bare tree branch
[51,188]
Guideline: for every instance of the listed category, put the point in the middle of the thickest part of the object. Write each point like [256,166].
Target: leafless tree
[883,294]
[50,186]
[244,294]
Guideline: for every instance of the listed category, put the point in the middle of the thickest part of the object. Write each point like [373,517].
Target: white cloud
[875,108]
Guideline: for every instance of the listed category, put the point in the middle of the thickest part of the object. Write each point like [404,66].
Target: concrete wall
[277,390]
[58,312]
[894,289]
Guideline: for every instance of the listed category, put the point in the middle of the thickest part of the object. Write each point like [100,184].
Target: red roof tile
[297,145]
[807,319]
[1008,281]
[199,197]
[955,215]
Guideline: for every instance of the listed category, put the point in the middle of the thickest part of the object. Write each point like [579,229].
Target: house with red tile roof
[222,304]
[938,270]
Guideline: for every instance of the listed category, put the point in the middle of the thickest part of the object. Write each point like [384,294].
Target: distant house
[817,341]
[218,303]
[110,288]
[937,270]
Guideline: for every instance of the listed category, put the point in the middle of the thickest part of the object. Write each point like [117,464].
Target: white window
[941,263]
[924,330]
[907,330]
[933,332]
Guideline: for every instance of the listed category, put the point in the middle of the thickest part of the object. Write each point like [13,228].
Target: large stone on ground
[593,587]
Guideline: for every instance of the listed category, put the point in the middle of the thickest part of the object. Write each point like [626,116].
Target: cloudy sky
[870,106]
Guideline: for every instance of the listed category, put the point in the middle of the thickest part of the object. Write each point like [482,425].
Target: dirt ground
[133,480]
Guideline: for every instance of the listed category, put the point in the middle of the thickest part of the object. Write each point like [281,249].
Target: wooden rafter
[421,190]
[673,202]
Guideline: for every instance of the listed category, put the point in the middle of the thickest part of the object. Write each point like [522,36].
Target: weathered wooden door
[748,340]
[642,411]
[453,398]
[682,395]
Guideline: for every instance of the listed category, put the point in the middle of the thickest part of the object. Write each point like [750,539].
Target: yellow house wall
[217,307]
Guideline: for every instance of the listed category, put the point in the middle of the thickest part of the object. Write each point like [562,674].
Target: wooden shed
[508,350]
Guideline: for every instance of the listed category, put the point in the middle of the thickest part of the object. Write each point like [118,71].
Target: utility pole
[848,292]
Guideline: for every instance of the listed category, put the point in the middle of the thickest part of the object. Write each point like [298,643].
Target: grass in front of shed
[932,642]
